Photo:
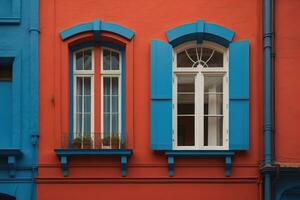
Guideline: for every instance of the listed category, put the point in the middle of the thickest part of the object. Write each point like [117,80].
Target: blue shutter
[239,95]
[161,96]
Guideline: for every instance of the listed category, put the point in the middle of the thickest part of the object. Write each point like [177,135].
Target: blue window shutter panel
[239,95]
[161,96]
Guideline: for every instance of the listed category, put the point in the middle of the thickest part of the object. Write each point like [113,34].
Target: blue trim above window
[97,26]
[200,31]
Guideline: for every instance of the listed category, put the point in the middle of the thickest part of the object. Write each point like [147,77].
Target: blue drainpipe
[34,86]
[267,42]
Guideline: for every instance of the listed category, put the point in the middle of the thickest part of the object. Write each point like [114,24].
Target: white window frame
[83,73]
[111,73]
[199,96]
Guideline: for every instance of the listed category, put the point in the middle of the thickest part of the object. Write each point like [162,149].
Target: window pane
[88,60]
[206,53]
[115,60]
[213,104]
[186,83]
[79,85]
[79,104]
[106,59]
[106,85]
[213,131]
[79,61]
[78,123]
[115,85]
[185,103]
[213,84]
[87,123]
[185,131]
[6,72]
[115,104]
[87,86]
[115,124]
[106,124]
[87,104]
[216,60]
[183,60]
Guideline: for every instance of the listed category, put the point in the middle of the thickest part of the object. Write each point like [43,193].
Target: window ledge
[171,154]
[10,20]
[64,154]
[11,154]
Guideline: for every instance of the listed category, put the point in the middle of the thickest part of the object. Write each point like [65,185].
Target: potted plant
[87,142]
[106,141]
[76,143]
[115,142]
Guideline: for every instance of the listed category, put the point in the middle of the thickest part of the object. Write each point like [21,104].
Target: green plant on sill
[84,142]
[113,142]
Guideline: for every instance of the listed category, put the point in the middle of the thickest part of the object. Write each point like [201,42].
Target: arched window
[200,96]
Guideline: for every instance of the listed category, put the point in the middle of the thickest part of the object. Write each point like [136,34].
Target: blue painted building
[18,98]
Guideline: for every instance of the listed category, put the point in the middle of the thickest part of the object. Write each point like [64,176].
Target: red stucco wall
[197,177]
[287,52]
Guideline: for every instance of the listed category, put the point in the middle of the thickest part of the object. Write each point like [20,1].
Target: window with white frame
[109,81]
[83,93]
[111,96]
[200,96]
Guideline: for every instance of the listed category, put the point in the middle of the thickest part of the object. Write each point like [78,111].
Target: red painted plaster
[287,84]
[149,20]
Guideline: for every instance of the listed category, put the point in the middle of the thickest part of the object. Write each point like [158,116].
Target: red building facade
[145,172]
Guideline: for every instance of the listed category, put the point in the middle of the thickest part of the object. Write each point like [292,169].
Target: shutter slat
[161,96]
[239,95]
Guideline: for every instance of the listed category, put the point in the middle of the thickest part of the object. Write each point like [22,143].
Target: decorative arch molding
[96,26]
[199,31]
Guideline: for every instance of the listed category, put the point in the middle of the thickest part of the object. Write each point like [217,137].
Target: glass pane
[115,124]
[88,60]
[115,104]
[106,124]
[87,86]
[106,104]
[106,85]
[185,131]
[87,123]
[183,60]
[106,59]
[87,104]
[213,131]
[115,85]
[206,53]
[78,123]
[213,104]
[79,81]
[6,72]
[79,104]
[213,84]
[79,61]
[186,83]
[185,103]
[115,60]
[216,60]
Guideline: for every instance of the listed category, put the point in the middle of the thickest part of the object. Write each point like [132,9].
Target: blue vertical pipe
[34,86]
[267,42]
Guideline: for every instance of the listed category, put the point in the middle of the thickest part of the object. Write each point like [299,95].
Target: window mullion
[200,111]
[82,109]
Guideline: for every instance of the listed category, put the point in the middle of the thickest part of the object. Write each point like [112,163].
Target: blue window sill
[171,154]
[10,20]
[11,154]
[65,154]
